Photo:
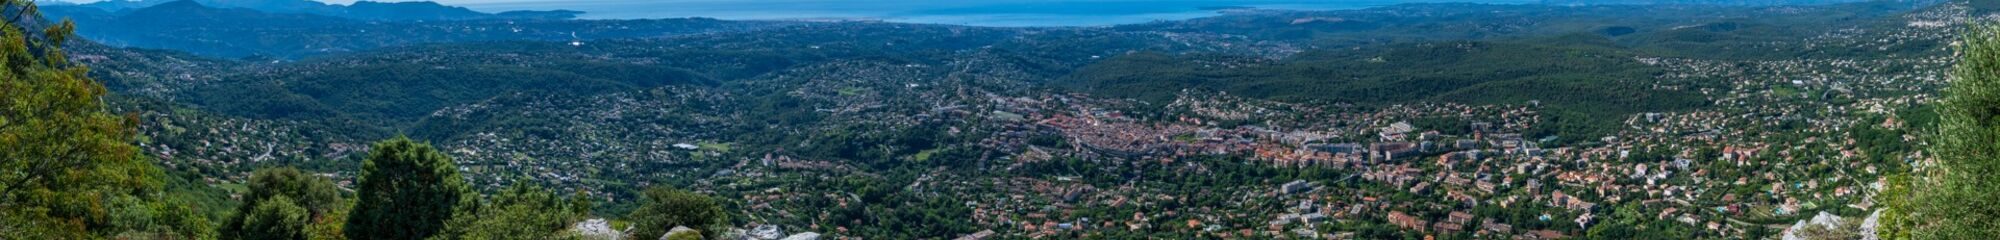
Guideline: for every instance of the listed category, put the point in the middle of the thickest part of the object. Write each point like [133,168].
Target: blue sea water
[962,12]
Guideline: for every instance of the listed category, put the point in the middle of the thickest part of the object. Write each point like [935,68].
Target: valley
[1412,121]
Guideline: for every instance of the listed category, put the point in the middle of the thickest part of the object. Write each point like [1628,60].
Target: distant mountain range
[1698,2]
[296,29]
[289,30]
[363,10]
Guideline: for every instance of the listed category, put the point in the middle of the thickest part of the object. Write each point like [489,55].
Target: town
[865,129]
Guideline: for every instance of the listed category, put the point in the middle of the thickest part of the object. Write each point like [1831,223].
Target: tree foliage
[667,208]
[1587,83]
[314,193]
[1956,200]
[314,196]
[276,217]
[408,190]
[519,212]
[68,169]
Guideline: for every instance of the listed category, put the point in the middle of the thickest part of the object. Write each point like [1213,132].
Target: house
[1396,131]
[1448,228]
[1394,150]
[1466,144]
[1339,148]
[1496,227]
[1459,217]
[1296,186]
[1311,218]
[1406,221]
[1571,202]
[1455,180]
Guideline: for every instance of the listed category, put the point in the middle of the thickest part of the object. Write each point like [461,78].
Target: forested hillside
[276,120]
[1591,78]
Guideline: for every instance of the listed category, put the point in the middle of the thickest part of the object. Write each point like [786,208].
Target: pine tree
[408,190]
[1956,198]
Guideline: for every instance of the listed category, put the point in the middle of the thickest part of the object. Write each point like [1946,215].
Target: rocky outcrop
[680,233]
[598,228]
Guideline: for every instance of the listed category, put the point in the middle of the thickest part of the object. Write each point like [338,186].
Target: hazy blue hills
[435,11]
[284,29]
[364,10]
[1699,2]
[202,29]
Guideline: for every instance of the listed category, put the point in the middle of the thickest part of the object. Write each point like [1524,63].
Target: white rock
[598,228]
[804,236]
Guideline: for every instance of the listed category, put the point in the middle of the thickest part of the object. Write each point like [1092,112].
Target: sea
[1005,13]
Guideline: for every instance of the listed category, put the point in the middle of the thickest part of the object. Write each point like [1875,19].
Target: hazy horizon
[970,12]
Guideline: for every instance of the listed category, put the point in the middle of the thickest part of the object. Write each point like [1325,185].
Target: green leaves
[520,212]
[683,235]
[312,196]
[408,190]
[68,169]
[667,208]
[314,193]
[1956,201]
[275,218]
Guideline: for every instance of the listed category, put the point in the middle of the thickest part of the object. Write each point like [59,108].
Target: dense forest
[1596,81]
